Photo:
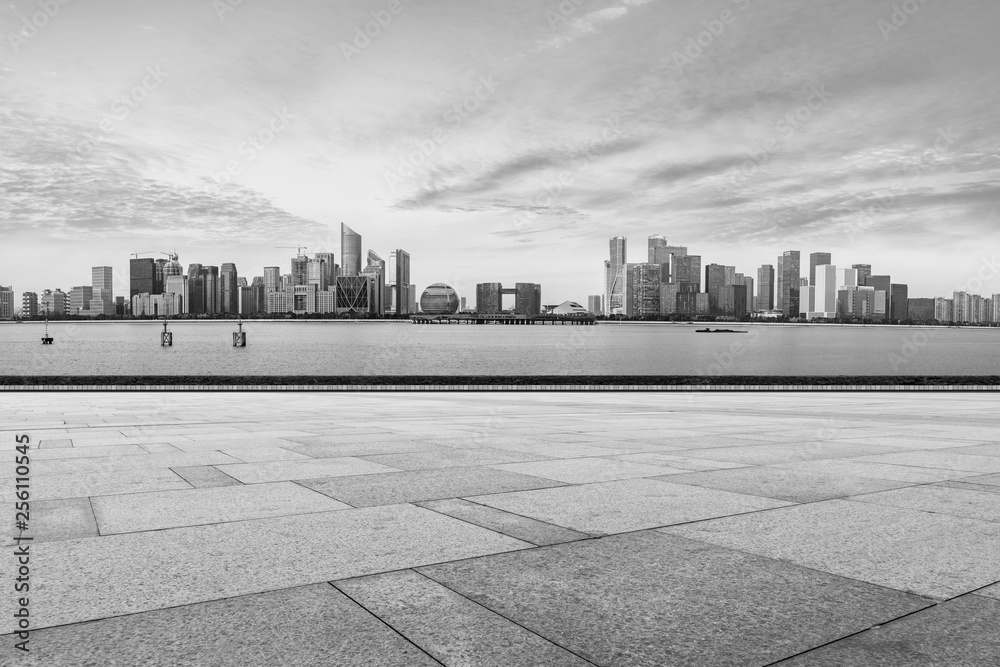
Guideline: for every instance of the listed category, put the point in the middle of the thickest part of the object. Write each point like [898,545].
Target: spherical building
[439,299]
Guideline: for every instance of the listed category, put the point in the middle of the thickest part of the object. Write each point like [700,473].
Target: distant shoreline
[716,324]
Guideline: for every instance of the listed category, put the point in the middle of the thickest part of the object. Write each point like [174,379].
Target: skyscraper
[528,299]
[595,305]
[881,284]
[142,276]
[213,293]
[765,288]
[826,292]
[864,271]
[350,251]
[376,271]
[715,280]
[229,291]
[790,283]
[615,276]
[489,298]
[329,267]
[399,282]
[899,302]
[642,289]
[818,259]
[272,278]
[686,269]
[656,241]
[300,270]
[29,304]
[6,303]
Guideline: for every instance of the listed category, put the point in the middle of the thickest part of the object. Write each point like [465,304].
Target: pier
[506,318]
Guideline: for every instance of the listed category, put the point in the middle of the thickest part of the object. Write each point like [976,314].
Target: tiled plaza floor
[506,529]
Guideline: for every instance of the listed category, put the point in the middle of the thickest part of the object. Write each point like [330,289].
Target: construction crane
[172,255]
[148,252]
[299,248]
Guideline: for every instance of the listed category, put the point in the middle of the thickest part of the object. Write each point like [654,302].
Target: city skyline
[240,129]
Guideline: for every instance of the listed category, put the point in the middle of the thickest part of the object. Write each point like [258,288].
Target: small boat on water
[718,331]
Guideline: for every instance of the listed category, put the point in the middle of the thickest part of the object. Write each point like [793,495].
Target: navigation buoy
[167,337]
[47,339]
[240,337]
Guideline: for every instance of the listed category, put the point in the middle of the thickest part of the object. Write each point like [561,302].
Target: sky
[500,141]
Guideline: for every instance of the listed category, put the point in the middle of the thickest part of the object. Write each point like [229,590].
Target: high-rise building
[102,278]
[656,241]
[614,297]
[765,288]
[350,252]
[53,303]
[6,303]
[864,272]
[489,298]
[779,284]
[595,305]
[79,299]
[272,278]
[213,290]
[229,291]
[732,301]
[899,302]
[178,287]
[686,269]
[354,295]
[818,259]
[328,269]
[376,271]
[748,282]
[399,282]
[881,284]
[159,269]
[172,267]
[642,287]
[142,276]
[715,280]
[790,284]
[920,310]
[528,299]
[995,308]
[944,310]
[848,278]
[196,290]
[825,292]
[29,304]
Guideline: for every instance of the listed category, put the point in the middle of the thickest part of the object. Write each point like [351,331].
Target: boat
[718,331]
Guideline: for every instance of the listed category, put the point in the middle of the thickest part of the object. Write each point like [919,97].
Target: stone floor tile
[263,454]
[784,484]
[281,471]
[855,468]
[311,626]
[392,488]
[205,477]
[452,629]
[52,520]
[940,499]
[958,632]
[329,450]
[940,459]
[512,525]
[88,452]
[626,505]
[55,444]
[585,470]
[772,454]
[935,555]
[81,580]
[132,513]
[447,458]
[54,487]
[681,464]
[640,599]
[959,484]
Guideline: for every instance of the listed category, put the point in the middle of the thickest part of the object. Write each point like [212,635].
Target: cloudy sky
[500,141]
